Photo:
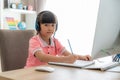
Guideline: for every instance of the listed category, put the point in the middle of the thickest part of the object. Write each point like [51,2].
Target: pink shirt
[37,43]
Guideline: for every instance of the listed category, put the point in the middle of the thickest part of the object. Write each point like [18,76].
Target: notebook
[103,66]
[77,63]
[114,69]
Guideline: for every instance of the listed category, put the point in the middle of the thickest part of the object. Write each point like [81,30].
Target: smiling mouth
[49,32]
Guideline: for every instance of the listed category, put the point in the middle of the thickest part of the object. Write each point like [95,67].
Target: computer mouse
[44,68]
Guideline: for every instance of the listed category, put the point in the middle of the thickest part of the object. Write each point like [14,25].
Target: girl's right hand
[71,58]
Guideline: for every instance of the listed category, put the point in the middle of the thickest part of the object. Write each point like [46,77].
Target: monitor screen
[106,37]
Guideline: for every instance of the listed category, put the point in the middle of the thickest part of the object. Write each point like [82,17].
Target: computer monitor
[105,42]
[107,31]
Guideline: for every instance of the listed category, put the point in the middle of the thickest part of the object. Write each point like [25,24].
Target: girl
[44,48]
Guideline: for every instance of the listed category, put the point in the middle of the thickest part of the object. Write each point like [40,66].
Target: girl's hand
[71,58]
[86,57]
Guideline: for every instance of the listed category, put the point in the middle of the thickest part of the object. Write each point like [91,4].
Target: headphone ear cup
[56,26]
[37,26]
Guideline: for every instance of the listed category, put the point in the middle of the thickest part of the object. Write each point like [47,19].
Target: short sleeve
[34,45]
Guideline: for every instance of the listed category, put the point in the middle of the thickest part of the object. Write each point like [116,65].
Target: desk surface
[60,73]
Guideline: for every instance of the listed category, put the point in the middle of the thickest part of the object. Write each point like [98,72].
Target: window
[76,22]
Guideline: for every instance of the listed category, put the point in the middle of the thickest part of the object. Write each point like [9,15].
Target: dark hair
[45,17]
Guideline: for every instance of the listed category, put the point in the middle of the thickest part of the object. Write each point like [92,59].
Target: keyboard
[77,63]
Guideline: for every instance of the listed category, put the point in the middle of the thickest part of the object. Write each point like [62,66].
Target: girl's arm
[67,58]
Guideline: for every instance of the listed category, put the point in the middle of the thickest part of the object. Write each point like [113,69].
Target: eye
[53,25]
[45,24]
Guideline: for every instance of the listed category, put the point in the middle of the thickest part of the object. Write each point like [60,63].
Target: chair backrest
[14,48]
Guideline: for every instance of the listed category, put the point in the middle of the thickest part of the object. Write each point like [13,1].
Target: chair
[14,48]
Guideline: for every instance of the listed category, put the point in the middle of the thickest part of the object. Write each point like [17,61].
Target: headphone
[37,24]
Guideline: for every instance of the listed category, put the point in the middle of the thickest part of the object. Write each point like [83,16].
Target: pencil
[70,46]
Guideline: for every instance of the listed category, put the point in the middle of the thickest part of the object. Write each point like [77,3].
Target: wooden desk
[60,73]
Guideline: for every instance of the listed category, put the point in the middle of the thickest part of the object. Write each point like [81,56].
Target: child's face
[47,29]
